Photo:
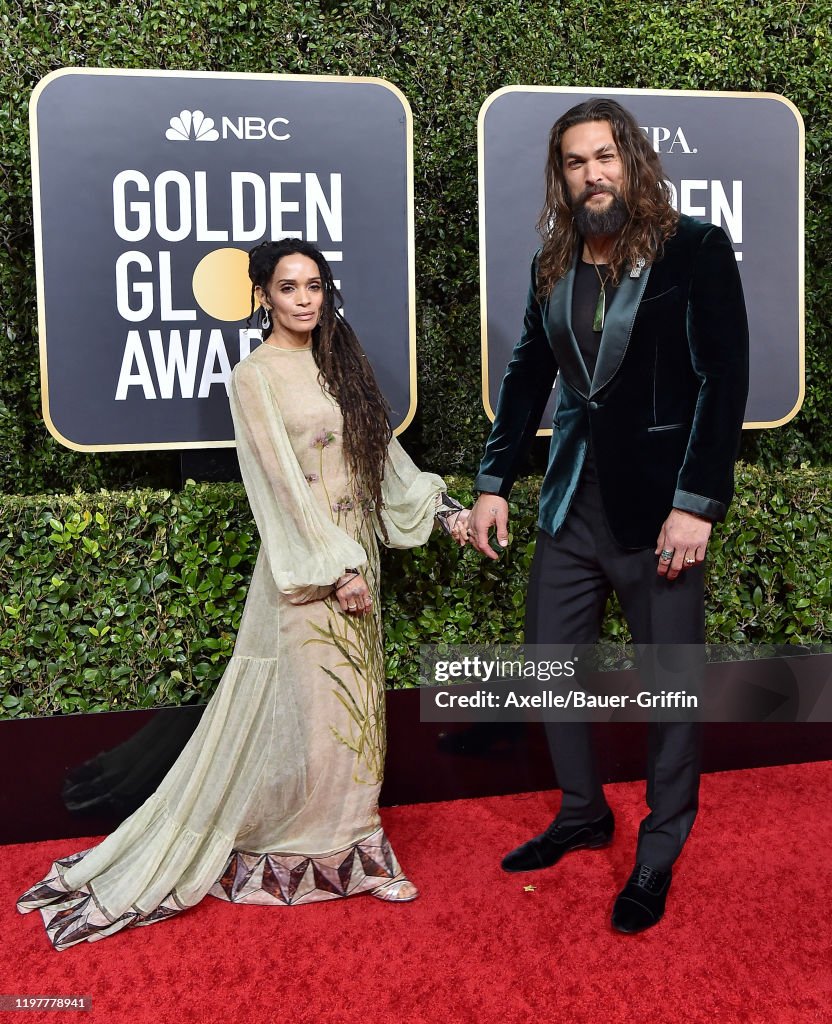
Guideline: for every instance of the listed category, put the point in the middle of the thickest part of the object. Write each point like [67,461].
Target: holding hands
[453,518]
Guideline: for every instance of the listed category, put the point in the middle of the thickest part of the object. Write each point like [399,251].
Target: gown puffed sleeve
[412,500]
[307,552]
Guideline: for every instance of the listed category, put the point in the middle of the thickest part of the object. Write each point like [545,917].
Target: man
[639,314]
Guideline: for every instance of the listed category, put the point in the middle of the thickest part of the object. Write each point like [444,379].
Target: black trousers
[571,580]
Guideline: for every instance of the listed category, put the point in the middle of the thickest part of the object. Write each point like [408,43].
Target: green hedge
[132,600]
[447,57]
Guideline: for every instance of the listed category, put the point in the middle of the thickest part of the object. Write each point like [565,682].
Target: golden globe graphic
[221,285]
[144,298]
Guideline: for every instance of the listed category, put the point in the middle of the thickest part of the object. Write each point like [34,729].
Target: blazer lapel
[618,327]
[561,336]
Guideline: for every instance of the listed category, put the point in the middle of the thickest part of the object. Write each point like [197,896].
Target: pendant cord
[606,276]
[601,304]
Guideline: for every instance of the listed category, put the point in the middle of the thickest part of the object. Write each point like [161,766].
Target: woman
[274,800]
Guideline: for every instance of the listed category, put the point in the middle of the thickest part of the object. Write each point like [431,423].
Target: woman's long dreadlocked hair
[645,193]
[343,368]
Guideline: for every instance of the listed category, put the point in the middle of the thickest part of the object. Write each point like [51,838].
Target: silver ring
[351,607]
[690,561]
[666,555]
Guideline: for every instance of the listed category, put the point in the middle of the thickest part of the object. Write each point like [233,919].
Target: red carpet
[746,937]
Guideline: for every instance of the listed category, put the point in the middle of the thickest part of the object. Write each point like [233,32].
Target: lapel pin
[637,267]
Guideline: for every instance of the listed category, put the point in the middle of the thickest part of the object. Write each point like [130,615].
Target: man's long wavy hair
[646,195]
[343,368]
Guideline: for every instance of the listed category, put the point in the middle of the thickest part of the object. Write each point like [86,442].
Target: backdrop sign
[150,188]
[734,159]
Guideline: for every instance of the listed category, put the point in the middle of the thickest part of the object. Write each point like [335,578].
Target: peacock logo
[192,126]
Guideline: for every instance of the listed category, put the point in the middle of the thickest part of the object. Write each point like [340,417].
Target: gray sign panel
[735,159]
[151,186]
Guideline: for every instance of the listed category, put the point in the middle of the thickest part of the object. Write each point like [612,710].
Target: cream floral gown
[274,800]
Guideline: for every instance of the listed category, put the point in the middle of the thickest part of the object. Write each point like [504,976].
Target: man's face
[594,175]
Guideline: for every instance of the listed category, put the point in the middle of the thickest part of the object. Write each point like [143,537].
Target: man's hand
[683,541]
[489,510]
[353,594]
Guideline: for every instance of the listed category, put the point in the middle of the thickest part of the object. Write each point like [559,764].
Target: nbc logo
[192,125]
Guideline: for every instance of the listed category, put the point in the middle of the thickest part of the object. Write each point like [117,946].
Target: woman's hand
[353,594]
[459,531]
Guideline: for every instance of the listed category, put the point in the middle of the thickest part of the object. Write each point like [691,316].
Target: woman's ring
[666,555]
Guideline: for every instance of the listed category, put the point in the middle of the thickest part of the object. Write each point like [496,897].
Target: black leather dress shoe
[547,849]
[640,904]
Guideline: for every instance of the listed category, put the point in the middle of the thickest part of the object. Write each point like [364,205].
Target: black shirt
[584,301]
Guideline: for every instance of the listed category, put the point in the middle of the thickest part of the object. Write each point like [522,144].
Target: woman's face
[294,296]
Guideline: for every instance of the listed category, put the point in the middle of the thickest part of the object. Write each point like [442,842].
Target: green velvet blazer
[664,408]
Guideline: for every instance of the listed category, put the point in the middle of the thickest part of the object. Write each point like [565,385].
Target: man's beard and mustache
[592,223]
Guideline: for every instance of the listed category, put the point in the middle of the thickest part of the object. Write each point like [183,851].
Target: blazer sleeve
[524,393]
[718,341]
[306,550]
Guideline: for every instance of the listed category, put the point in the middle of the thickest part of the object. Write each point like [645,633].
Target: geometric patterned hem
[271,879]
[73,916]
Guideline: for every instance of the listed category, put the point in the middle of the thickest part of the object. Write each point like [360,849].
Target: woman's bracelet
[351,575]
[447,509]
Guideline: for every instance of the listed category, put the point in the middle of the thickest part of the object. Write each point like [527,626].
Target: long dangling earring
[265,319]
